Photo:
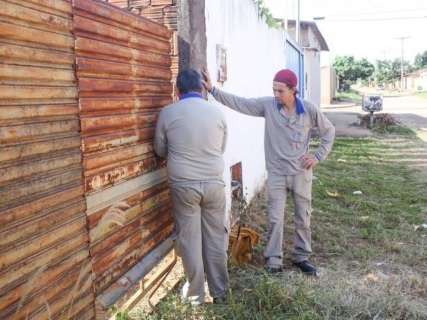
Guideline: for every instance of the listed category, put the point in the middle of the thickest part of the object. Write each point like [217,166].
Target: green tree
[388,70]
[383,71]
[349,70]
[420,60]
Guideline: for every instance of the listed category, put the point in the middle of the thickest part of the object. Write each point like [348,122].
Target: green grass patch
[394,129]
[349,96]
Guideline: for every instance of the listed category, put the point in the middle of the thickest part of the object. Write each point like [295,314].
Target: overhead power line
[376,19]
[357,14]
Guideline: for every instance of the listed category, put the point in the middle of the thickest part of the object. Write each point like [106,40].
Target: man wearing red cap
[288,122]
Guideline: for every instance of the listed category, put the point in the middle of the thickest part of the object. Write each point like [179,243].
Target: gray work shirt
[192,134]
[286,138]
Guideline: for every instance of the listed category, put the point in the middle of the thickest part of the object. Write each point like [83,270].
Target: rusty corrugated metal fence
[82,197]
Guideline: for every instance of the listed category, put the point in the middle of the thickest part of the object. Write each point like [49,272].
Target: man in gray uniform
[192,134]
[288,121]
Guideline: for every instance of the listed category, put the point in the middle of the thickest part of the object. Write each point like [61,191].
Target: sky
[363,28]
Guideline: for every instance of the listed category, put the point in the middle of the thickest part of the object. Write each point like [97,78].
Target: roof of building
[313,26]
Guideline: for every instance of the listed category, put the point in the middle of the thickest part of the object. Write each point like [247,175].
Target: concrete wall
[254,53]
[328,84]
[312,75]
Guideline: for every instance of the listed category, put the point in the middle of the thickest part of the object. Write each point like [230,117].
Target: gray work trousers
[277,189]
[202,237]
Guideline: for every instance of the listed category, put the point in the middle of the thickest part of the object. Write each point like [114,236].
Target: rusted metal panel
[45,268]
[82,197]
[122,18]
[119,52]
[164,12]
[124,76]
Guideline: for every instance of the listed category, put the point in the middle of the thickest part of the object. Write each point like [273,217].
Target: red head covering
[286,76]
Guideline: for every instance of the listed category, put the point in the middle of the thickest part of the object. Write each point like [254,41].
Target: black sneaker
[274,269]
[307,268]
[220,300]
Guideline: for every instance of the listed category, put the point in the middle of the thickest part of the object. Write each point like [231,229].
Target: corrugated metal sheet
[45,269]
[123,70]
[82,196]
[164,12]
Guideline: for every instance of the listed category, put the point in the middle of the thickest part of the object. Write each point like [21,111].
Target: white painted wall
[312,75]
[254,54]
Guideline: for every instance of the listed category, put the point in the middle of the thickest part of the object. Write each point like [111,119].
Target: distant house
[417,80]
[312,43]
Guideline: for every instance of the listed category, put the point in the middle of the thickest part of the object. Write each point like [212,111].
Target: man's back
[195,134]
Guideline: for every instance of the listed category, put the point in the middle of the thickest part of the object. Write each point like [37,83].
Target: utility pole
[298,22]
[402,45]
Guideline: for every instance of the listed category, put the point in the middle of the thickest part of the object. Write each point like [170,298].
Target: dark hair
[293,88]
[189,80]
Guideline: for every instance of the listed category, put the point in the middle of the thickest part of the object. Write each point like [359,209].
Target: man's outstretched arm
[252,106]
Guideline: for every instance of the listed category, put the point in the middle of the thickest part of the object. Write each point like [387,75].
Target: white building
[244,50]
[312,42]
